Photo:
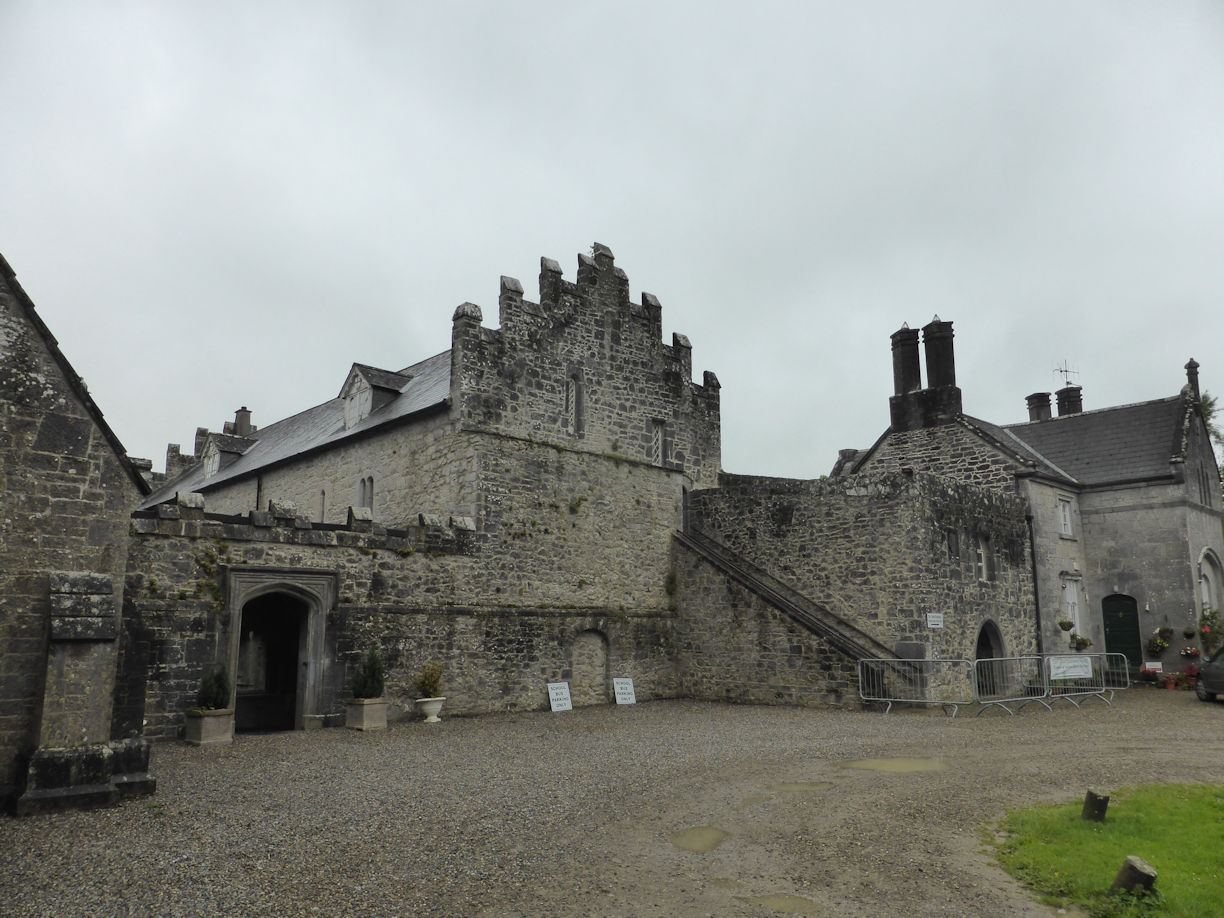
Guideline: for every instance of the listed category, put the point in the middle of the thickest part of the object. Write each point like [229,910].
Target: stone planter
[430,708]
[366,714]
[209,728]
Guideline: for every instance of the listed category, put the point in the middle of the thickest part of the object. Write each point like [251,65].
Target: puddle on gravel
[800,787]
[787,905]
[724,883]
[700,839]
[896,766]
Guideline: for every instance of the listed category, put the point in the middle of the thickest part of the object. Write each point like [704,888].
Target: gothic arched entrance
[275,636]
[271,646]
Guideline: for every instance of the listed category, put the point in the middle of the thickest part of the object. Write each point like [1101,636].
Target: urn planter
[366,714]
[430,707]
[209,727]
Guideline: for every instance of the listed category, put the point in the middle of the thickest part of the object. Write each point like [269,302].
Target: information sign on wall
[559,696]
[1070,667]
[624,691]
[934,619]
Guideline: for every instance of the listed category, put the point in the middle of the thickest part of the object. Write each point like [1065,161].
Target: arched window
[574,405]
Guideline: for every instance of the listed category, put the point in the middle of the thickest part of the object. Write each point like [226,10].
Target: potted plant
[429,685]
[1079,642]
[1189,631]
[211,721]
[367,709]
[1066,624]
[1189,675]
[1158,643]
[1191,652]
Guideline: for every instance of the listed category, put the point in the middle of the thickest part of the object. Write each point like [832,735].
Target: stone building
[1123,503]
[67,489]
[544,502]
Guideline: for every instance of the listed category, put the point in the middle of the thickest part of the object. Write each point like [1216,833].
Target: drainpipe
[1028,520]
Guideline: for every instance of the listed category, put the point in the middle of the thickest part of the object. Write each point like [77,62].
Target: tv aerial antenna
[1067,372]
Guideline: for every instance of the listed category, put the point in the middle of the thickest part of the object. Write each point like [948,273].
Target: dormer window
[357,405]
[367,389]
[212,460]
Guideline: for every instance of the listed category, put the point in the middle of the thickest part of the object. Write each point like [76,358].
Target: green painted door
[1120,615]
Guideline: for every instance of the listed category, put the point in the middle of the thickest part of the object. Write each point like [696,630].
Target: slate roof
[1109,445]
[320,427]
[382,379]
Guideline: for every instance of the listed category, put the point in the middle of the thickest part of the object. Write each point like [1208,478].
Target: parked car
[1210,680]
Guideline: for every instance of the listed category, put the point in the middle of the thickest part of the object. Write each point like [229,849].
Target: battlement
[587,368]
[187,517]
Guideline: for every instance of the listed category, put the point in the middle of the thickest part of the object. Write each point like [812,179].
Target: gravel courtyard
[587,813]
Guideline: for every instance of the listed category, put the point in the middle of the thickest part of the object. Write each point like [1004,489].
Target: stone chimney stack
[914,407]
[1069,400]
[1192,376]
[242,422]
[907,376]
[1038,406]
[940,360]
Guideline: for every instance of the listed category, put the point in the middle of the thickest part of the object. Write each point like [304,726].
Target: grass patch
[1178,829]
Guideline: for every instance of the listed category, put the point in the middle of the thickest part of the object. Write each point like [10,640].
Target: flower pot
[209,728]
[430,708]
[366,714]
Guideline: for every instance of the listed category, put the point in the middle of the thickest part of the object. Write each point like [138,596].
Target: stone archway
[991,677]
[589,669]
[989,642]
[271,648]
[281,616]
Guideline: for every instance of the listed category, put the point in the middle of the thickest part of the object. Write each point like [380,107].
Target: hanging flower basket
[1066,624]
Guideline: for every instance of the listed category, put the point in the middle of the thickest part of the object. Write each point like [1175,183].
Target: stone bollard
[1094,806]
[1136,874]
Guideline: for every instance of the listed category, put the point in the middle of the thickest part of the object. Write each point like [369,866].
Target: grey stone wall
[732,646]
[883,550]
[949,450]
[1062,565]
[502,629]
[588,337]
[64,499]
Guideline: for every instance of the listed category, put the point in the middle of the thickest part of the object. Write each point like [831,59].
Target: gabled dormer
[221,451]
[367,389]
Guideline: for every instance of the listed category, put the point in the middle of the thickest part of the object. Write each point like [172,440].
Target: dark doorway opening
[989,676]
[1120,616]
[270,651]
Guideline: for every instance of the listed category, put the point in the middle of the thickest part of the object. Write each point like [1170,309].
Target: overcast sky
[226,204]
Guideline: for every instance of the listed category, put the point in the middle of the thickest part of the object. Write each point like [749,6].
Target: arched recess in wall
[1211,581]
[589,669]
[989,642]
[278,606]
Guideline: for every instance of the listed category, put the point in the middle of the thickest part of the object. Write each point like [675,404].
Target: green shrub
[370,677]
[429,682]
[214,691]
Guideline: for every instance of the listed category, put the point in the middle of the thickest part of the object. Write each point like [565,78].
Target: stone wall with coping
[430,591]
[883,550]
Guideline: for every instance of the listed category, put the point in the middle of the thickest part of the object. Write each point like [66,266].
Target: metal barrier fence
[1004,682]
[948,683]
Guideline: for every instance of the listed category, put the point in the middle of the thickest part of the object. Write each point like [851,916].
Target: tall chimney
[1039,406]
[1192,376]
[940,360]
[907,377]
[1069,400]
[242,422]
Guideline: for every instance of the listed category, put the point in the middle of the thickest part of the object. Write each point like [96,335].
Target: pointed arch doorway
[271,647]
[276,645]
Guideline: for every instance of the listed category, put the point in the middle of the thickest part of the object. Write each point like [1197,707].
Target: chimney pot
[242,422]
[940,358]
[1039,406]
[1070,400]
[1192,376]
[907,375]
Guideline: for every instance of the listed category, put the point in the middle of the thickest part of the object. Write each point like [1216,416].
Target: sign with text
[1154,667]
[934,619]
[624,691]
[1069,667]
[559,696]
